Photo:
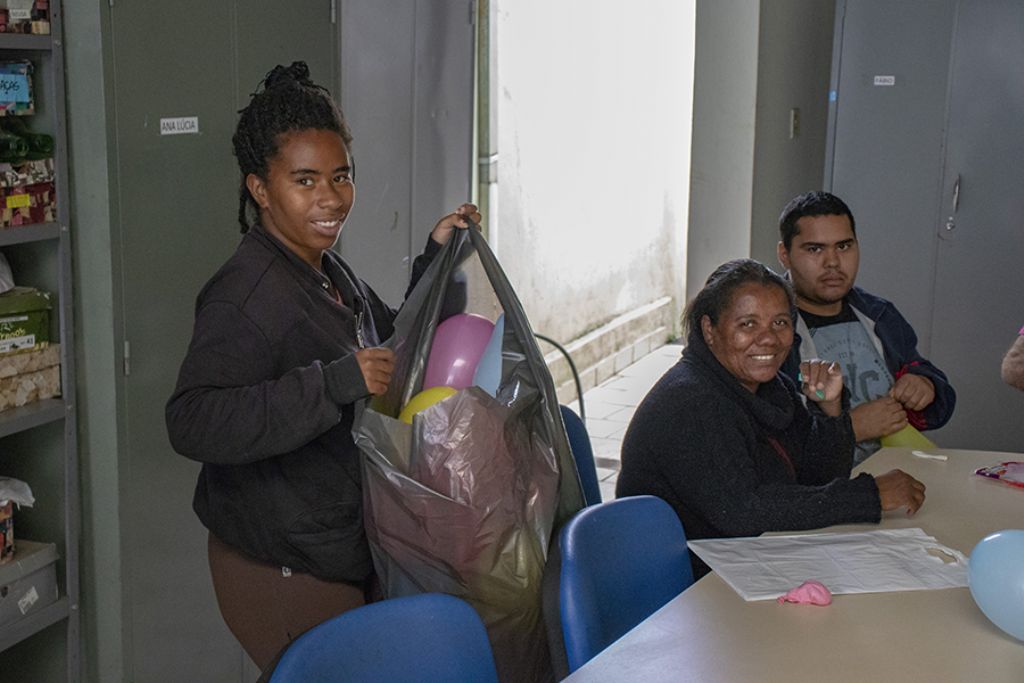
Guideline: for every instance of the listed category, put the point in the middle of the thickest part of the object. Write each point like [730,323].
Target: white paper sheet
[765,567]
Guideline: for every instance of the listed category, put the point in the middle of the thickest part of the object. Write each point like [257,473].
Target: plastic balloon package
[1011,472]
[463,494]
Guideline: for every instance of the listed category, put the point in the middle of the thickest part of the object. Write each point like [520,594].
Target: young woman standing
[286,340]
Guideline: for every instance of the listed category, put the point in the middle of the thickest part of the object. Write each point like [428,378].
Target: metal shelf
[33,415]
[47,54]
[26,41]
[29,233]
[17,631]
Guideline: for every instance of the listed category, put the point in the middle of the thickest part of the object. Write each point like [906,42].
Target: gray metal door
[926,132]
[886,141]
[979,278]
[407,90]
[178,199]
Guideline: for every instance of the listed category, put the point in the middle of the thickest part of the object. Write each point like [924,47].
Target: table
[709,633]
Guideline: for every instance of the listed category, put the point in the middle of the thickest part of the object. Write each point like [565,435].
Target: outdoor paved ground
[610,407]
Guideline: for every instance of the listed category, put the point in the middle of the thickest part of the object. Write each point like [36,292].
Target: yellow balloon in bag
[424,400]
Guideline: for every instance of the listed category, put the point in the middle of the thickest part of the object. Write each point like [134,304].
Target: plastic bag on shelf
[12,492]
[16,491]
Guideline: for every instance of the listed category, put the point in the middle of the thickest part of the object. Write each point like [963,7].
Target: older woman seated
[726,440]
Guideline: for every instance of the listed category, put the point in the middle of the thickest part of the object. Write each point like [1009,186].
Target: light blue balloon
[996,578]
[488,370]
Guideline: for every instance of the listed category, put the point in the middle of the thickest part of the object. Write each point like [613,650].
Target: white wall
[755,61]
[795,56]
[594,105]
[725,93]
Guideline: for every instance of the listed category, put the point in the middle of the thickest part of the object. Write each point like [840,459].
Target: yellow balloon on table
[424,400]
[908,437]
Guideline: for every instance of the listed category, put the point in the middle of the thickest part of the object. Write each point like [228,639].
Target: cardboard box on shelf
[27,205]
[39,380]
[29,581]
[27,193]
[28,172]
[25,16]
[16,96]
[23,362]
[24,320]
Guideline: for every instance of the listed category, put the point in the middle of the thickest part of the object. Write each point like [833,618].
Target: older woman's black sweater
[735,463]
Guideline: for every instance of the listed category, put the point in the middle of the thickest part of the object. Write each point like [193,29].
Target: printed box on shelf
[25,16]
[29,581]
[38,379]
[24,362]
[27,205]
[16,97]
[27,193]
[29,172]
[24,320]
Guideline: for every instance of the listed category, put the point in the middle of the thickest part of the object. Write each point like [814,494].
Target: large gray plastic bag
[465,500]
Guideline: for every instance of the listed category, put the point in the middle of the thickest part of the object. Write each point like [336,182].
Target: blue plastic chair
[621,561]
[429,637]
[583,454]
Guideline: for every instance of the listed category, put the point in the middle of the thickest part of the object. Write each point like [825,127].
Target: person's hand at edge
[455,221]
[376,364]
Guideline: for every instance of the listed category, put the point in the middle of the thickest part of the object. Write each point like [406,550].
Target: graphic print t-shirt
[842,338]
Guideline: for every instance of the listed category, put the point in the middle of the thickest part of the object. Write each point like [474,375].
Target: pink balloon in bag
[459,342]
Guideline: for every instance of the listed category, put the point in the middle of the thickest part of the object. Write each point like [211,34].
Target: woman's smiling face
[308,192]
[753,334]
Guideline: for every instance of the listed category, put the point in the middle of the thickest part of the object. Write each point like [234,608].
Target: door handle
[951,220]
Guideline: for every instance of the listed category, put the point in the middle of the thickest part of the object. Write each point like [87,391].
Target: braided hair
[289,101]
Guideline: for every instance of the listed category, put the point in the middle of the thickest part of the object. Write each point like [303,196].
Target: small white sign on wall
[182,125]
[885,80]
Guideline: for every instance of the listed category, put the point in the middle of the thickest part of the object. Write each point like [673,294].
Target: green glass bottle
[13,148]
[37,145]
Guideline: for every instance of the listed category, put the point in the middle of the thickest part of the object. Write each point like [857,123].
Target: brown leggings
[266,610]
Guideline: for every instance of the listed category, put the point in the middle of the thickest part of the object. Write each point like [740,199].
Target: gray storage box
[29,581]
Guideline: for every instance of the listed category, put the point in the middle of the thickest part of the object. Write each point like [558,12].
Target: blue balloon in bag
[996,578]
[488,370]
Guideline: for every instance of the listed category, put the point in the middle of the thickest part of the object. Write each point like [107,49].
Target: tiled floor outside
[610,407]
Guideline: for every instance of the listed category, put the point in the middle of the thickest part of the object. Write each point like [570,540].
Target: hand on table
[376,364]
[878,418]
[897,489]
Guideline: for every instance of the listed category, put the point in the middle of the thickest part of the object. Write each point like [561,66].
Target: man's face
[822,262]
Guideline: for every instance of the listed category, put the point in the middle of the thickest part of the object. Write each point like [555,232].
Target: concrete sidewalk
[610,407]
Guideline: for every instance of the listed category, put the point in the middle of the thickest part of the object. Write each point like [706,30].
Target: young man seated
[890,384]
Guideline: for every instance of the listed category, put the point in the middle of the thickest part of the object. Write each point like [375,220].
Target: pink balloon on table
[459,342]
[808,593]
